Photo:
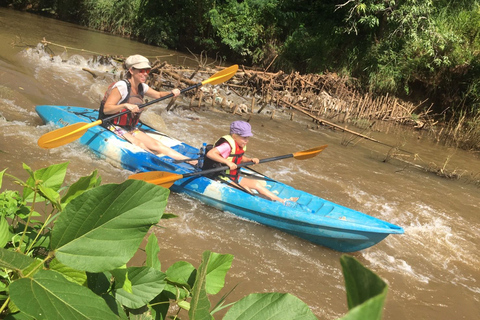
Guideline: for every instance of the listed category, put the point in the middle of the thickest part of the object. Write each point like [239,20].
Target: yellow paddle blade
[160,178]
[222,76]
[62,136]
[310,153]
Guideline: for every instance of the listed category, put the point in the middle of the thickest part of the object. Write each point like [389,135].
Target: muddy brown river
[433,270]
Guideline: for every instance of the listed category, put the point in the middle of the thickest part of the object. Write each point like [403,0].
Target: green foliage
[117,17]
[245,27]
[94,230]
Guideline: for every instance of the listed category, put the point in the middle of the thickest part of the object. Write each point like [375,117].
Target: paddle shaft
[152,102]
[244,164]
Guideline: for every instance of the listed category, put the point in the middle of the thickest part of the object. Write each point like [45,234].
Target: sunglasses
[147,71]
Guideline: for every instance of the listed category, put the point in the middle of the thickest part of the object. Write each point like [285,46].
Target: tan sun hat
[138,62]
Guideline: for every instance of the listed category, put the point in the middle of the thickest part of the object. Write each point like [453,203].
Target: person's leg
[146,142]
[259,185]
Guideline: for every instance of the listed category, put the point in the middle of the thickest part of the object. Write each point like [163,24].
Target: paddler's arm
[152,93]
[111,106]
[254,160]
[215,155]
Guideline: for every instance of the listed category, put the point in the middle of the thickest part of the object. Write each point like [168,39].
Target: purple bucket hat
[241,128]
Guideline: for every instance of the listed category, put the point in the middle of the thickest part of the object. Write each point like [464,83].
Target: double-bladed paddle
[73,132]
[166,179]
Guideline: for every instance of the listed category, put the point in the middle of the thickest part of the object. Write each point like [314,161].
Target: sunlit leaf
[1,177]
[181,273]
[51,177]
[5,234]
[79,277]
[366,291]
[218,266]
[152,250]
[83,184]
[200,305]
[102,229]
[49,194]
[271,306]
[48,295]
[146,284]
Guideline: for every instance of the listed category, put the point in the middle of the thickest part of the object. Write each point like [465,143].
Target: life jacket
[128,120]
[235,156]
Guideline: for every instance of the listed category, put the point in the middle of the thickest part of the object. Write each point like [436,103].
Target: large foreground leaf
[48,295]
[366,291]
[270,306]
[102,229]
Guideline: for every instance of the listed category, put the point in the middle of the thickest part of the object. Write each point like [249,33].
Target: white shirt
[122,87]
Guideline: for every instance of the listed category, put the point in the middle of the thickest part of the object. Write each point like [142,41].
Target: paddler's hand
[255,160]
[132,107]
[231,165]
[176,92]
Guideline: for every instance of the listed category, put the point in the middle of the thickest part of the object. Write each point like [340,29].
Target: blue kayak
[311,217]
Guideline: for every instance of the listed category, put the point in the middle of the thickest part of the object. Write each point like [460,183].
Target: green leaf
[366,291]
[73,275]
[271,306]
[169,216]
[18,316]
[33,268]
[152,250]
[102,229]
[5,234]
[82,185]
[48,295]
[200,305]
[49,194]
[218,266]
[181,273]
[1,177]
[51,177]
[14,260]
[99,282]
[159,306]
[146,284]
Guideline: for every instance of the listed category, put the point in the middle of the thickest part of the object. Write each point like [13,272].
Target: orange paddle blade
[62,136]
[310,153]
[160,178]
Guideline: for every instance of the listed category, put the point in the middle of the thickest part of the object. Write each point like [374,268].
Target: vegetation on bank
[421,51]
[66,264]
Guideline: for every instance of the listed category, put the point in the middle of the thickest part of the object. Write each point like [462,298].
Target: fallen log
[322,121]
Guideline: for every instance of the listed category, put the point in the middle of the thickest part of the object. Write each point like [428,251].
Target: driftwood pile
[317,96]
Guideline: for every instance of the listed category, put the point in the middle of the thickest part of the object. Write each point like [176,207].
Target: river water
[433,270]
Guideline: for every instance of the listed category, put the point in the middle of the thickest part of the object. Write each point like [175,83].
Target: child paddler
[229,150]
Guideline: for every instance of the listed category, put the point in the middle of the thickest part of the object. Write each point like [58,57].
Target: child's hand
[231,165]
[255,160]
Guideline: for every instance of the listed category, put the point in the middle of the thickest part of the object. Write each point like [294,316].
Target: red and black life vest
[235,156]
[128,120]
